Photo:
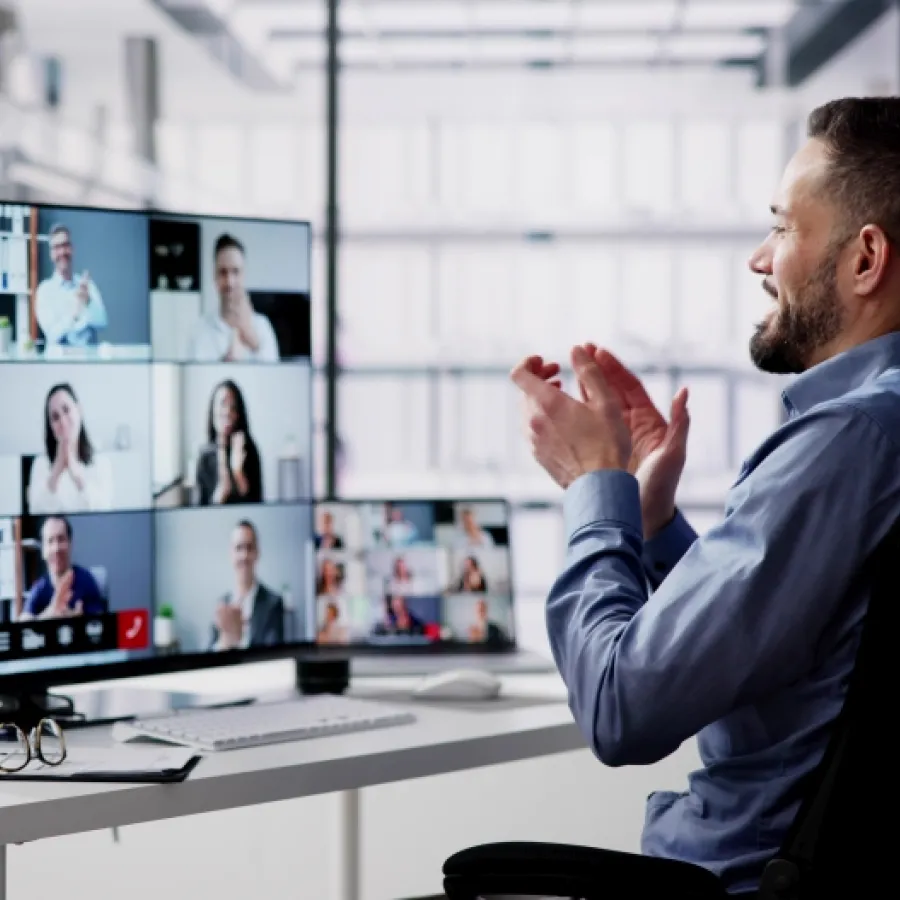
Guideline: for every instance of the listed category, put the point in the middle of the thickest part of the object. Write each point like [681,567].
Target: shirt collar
[842,373]
[63,281]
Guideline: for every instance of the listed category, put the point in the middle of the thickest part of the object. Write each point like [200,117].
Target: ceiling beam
[819,31]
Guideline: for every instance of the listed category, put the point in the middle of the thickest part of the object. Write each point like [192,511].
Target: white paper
[116,760]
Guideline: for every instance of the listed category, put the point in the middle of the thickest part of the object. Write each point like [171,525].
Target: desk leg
[348,847]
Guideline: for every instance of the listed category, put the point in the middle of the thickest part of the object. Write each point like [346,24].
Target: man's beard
[785,342]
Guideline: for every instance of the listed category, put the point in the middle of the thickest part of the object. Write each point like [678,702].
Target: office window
[310,167]
[373,163]
[539,181]
[761,156]
[476,309]
[385,303]
[318,300]
[539,301]
[703,301]
[483,405]
[704,168]
[591,297]
[272,152]
[707,438]
[758,414]
[594,171]
[173,147]
[488,175]
[645,298]
[648,156]
[539,540]
[221,162]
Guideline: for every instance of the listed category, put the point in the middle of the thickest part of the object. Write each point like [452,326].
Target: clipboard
[118,765]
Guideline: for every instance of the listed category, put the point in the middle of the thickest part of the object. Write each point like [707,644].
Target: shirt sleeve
[741,613]
[94,314]
[664,550]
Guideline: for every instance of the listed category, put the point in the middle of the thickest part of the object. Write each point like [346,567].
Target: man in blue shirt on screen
[66,589]
[70,309]
[749,633]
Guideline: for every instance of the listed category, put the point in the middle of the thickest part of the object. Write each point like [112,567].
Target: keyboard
[232,728]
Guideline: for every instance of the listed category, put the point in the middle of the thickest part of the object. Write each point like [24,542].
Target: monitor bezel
[38,680]
[437,648]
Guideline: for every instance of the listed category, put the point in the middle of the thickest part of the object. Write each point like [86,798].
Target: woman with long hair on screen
[330,580]
[70,476]
[229,468]
[471,580]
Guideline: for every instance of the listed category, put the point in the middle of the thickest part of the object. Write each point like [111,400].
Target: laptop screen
[420,572]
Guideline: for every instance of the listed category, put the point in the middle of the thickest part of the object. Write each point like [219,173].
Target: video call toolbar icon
[32,641]
[65,635]
[5,642]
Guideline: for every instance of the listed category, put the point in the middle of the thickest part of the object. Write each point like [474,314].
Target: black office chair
[841,845]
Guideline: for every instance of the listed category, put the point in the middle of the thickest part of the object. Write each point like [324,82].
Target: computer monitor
[155,452]
[414,576]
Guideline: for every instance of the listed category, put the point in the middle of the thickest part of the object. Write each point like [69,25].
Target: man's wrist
[654,523]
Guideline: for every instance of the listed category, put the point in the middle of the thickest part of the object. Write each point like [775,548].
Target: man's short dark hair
[59,228]
[62,519]
[862,141]
[227,242]
[246,523]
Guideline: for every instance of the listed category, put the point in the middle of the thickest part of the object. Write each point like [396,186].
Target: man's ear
[871,260]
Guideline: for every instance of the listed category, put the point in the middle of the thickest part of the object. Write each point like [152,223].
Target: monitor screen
[414,573]
[155,470]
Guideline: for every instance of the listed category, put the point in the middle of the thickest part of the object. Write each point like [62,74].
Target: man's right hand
[59,602]
[659,448]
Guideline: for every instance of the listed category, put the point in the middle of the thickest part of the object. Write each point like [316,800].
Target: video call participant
[250,615]
[398,530]
[331,630]
[69,307]
[228,468]
[71,476]
[330,580]
[471,535]
[326,539]
[236,333]
[65,590]
[472,579]
[484,631]
[398,620]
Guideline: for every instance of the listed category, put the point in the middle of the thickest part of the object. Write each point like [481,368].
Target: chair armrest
[561,870]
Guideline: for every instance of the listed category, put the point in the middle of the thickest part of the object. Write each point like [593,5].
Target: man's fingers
[623,379]
[533,386]
[593,385]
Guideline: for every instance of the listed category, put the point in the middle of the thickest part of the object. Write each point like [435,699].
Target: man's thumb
[679,419]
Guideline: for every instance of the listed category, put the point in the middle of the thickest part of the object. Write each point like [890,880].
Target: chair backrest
[843,838]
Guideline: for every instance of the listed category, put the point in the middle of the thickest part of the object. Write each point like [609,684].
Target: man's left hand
[570,438]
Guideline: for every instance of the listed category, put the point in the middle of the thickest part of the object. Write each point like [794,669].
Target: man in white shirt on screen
[68,306]
[471,535]
[236,333]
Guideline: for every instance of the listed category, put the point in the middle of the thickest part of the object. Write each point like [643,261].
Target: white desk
[442,740]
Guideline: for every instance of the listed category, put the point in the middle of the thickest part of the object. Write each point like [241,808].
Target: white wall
[277,398]
[114,399]
[193,560]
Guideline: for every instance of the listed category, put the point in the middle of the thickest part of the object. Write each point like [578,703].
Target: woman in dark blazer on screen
[229,468]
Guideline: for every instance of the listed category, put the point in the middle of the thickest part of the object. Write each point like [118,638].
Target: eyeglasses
[44,742]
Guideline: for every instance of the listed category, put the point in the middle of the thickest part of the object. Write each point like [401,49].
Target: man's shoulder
[878,400]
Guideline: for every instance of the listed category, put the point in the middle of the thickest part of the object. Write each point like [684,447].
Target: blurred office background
[513,176]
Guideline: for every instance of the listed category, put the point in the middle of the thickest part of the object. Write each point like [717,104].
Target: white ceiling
[386,33]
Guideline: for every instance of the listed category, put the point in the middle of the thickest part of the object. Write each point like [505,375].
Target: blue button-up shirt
[749,633]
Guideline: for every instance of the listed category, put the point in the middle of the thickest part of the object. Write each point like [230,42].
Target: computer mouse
[458,684]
